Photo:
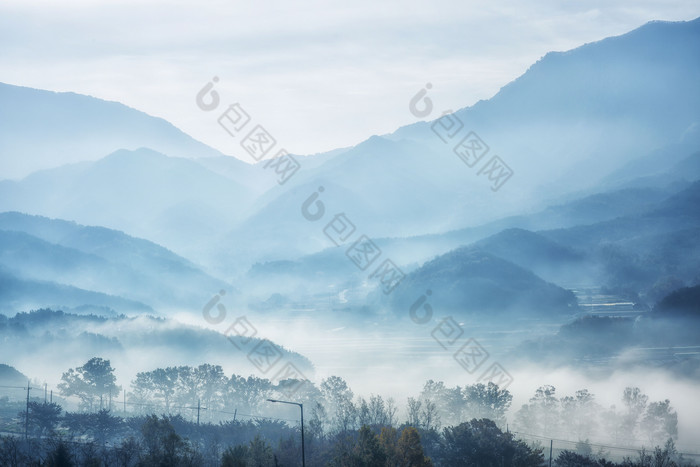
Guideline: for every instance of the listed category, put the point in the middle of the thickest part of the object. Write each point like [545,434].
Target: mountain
[576,116]
[470,281]
[9,376]
[667,337]
[512,238]
[43,129]
[18,294]
[166,199]
[684,302]
[571,120]
[534,252]
[97,259]
[52,341]
[650,253]
[382,187]
[660,168]
[683,204]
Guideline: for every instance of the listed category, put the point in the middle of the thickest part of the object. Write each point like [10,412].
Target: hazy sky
[317,74]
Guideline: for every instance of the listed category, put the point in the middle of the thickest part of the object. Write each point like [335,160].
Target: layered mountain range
[109,207]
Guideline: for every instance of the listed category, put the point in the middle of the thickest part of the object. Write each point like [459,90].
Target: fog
[522,268]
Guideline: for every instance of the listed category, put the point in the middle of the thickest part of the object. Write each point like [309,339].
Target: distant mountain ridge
[168,200]
[44,129]
[595,107]
[565,125]
[10,376]
[470,281]
[41,253]
[51,338]
[568,126]
[17,294]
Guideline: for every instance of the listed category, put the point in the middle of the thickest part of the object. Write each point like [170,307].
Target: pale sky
[317,74]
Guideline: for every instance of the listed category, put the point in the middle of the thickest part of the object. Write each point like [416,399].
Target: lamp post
[301,406]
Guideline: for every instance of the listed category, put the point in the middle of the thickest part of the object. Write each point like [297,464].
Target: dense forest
[199,416]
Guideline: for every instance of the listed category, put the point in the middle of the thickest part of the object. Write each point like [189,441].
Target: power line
[620,448]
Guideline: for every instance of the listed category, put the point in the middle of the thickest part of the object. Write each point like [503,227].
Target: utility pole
[124,400]
[303,456]
[26,416]
[46,386]
[198,406]
[235,411]
[551,442]
[51,400]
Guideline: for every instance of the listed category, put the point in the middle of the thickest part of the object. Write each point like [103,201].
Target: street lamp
[301,406]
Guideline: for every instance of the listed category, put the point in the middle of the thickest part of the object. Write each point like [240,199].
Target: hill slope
[35,248]
[42,129]
[468,280]
[168,200]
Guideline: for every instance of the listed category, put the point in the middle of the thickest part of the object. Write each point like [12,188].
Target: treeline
[330,407]
[637,420]
[440,426]
[174,441]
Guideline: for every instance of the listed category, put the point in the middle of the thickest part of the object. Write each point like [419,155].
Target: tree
[660,422]
[101,426]
[430,417]
[572,459]
[260,453]
[161,383]
[634,403]
[127,452]
[247,394]
[164,447]
[488,401]
[235,457]
[60,456]
[303,391]
[362,411]
[368,452]
[391,411]
[104,426]
[414,409]
[578,414]
[12,453]
[378,415]
[436,403]
[541,414]
[482,443]
[410,450]
[43,417]
[339,397]
[210,384]
[288,450]
[187,386]
[317,422]
[660,457]
[667,456]
[389,443]
[610,421]
[92,381]
[76,422]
